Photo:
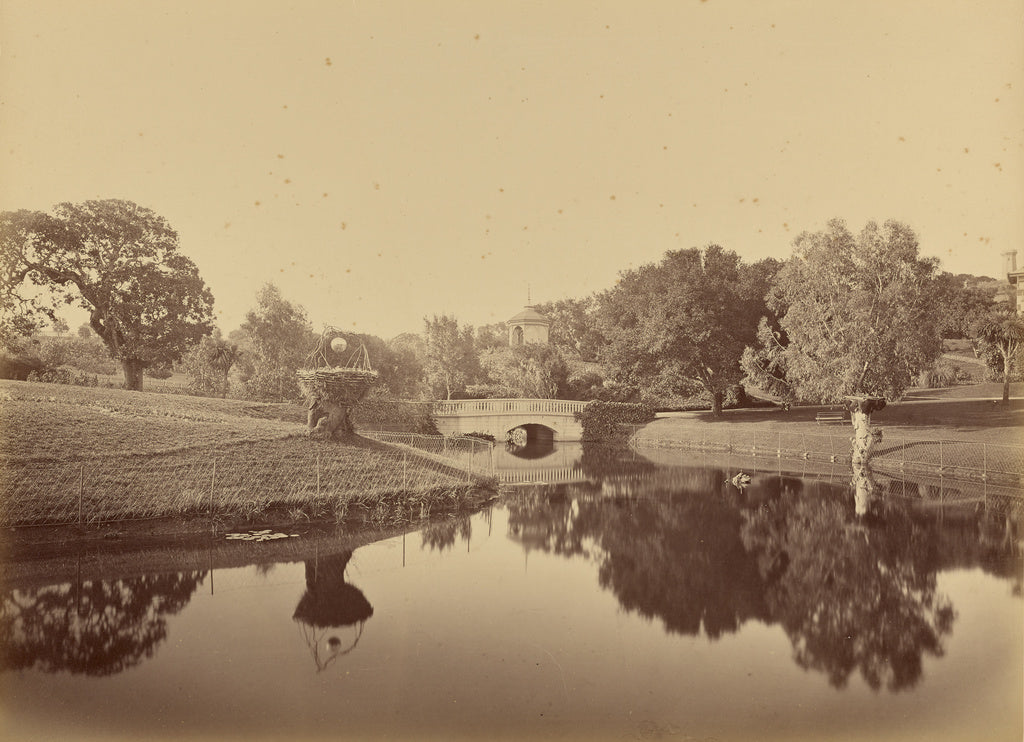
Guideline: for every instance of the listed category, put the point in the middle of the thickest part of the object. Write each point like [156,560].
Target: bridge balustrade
[504,406]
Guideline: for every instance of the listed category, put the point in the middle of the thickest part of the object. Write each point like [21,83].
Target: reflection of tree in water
[441,535]
[668,551]
[330,602]
[851,594]
[678,556]
[99,627]
[546,519]
[602,461]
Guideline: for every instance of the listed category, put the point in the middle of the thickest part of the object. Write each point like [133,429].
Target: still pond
[632,596]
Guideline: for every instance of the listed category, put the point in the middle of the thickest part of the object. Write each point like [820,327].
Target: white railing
[507,406]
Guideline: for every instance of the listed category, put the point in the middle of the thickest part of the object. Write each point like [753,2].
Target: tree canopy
[682,324]
[275,338]
[857,316]
[114,258]
[451,360]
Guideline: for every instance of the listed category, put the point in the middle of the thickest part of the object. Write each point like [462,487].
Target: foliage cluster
[273,342]
[64,375]
[681,325]
[532,371]
[601,420]
[208,364]
[857,316]
[115,259]
[1000,334]
[377,411]
[87,354]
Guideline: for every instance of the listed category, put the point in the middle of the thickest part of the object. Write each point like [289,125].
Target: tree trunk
[864,488]
[716,403]
[1006,378]
[863,437]
[132,368]
[328,419]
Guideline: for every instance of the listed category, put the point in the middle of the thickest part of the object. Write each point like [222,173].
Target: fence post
[984,463]
[318,476]
[940,457]
[81,490]
[405,473]
[213,482]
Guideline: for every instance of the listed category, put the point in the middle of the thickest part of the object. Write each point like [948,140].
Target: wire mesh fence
[475,455]
[245,480]
[1001,464]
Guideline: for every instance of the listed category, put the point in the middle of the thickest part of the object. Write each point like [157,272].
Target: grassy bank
[965,413]
[85,456]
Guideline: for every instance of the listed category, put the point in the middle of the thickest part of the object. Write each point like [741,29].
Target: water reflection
[851,579]
[441,535]
[92,627]
[329,603]
[851,595]
[697,550]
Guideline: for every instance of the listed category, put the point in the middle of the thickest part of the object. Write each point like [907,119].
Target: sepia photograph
[443,370]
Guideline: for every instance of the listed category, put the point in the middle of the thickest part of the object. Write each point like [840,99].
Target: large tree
[276,337]
[1001,335]
[857,316]
[574,325]
[961,300]
[530,371]
[681,325]
[119,261]
[451,361]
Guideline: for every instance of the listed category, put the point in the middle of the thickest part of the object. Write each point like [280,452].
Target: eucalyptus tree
[451,357]
[856,316]
[275,337]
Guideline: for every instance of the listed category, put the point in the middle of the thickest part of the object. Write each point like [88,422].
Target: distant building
[529,326]
[1015,277]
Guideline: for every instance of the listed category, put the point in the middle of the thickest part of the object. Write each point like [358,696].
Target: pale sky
[386,161]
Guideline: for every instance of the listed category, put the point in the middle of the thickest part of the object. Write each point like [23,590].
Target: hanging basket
[321,381]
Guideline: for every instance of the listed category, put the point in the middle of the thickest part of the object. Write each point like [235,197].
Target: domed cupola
[528,326]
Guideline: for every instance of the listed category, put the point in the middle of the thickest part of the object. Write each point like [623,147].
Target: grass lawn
[52,422]
[966,413]
[987,437]
[110,454]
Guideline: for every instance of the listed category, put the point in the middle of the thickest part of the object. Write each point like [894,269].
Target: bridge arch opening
[535,434]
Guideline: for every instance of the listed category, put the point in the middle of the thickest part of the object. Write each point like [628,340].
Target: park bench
[830,416]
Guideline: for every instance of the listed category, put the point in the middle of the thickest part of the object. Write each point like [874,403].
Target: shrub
[19,366]
[942,374]
[68,376]
[480,436]
[378,412]
[601,420]
[486,391]
[160,371]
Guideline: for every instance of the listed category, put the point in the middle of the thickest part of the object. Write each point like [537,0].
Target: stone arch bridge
[542,419]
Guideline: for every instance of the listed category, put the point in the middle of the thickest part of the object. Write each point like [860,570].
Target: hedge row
[601,420]
[379,413]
